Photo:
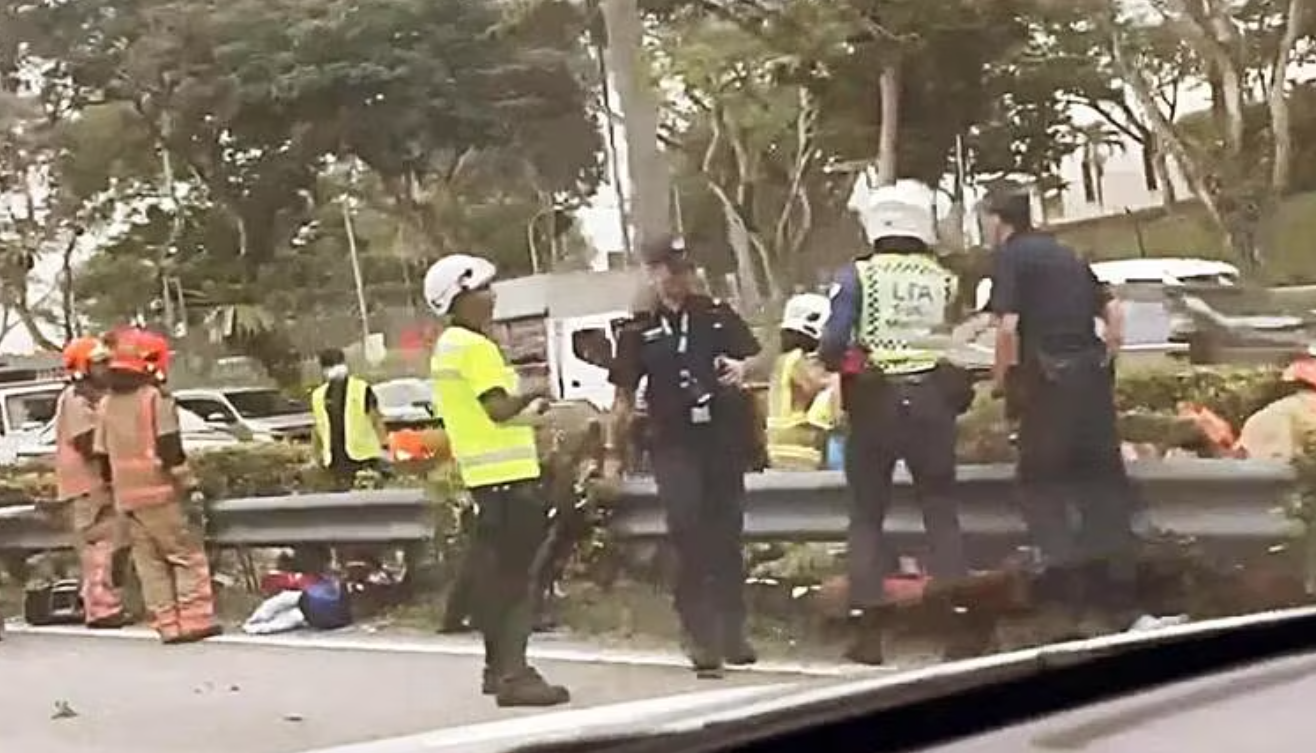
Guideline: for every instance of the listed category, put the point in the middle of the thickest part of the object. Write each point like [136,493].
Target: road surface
[241,696]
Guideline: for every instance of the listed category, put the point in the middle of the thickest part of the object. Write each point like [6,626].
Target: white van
[26,407]
[561,328]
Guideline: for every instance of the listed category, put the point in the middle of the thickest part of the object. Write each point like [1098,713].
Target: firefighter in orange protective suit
[137,431]
[80,478]
[1280,430]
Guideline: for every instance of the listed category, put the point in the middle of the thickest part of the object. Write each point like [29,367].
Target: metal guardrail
[1208,499]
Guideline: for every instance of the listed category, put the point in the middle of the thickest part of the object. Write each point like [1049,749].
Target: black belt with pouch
[954,383]
[1061,368]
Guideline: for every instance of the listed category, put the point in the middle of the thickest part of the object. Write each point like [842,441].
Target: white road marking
[347,641]
[553,725]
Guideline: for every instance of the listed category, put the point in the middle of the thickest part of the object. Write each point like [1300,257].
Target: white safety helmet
[903,210]
[453,275]
[806,314]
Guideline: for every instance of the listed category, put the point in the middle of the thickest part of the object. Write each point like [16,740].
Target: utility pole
[346,203]
[650,189]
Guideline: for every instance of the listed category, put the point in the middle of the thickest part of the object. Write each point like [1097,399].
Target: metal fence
[1236,500]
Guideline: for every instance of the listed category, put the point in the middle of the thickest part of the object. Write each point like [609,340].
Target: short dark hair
[1014,208]
[330,357]
[899,244]
[668,250]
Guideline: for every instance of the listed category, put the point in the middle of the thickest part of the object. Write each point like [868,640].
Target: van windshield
[31,410]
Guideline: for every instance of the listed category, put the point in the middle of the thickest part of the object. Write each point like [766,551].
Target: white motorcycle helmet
[806,314]
[453,275]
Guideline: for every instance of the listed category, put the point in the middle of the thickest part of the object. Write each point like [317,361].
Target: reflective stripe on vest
[793,443]
[138,478]
[487,453]
[360,440]
[75,475]
[903,313]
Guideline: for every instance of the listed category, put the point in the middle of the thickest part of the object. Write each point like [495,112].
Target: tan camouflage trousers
[99,536]
[171,562]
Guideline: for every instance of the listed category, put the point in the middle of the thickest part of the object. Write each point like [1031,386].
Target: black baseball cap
[667,250]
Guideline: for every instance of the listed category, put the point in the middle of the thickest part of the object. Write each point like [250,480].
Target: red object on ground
[277,581]
[906,587]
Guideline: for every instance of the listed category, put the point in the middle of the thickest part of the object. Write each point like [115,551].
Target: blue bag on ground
[325,604]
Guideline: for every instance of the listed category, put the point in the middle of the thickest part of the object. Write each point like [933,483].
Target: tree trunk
[1169,194]
[738,237]
[1277,100]
[651,189]
[1169,139]
[888,141]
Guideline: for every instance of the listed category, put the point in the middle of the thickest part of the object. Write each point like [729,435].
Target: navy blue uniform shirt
[1053,291]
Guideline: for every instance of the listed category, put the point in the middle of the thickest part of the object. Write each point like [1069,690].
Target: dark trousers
[547,571]
[1075,493]
[702,490]
[510,524]
[896,418]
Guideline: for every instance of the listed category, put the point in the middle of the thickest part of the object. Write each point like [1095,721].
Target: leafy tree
[1230,44]
[240,104]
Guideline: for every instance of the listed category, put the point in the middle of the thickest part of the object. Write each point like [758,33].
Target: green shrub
[1234,393]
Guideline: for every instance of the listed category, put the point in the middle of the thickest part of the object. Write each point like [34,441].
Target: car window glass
[208,409]
[265,403]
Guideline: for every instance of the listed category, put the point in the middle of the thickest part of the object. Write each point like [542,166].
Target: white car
[260,413]
[1169,271]
[197,436]
[406,402]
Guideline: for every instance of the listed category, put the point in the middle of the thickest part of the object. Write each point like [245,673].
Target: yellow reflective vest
[904,321]
[361,441]
[466,365]
[796,434]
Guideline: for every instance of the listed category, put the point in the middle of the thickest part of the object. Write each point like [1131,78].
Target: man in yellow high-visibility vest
[349,429]
[490,428]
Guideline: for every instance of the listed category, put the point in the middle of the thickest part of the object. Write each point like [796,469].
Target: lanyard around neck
[682,331]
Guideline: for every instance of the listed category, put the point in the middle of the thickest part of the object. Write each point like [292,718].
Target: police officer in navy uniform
[888,335]
[692,349]
[1058,376]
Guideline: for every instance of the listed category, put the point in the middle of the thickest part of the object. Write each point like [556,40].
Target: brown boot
[116,622]
[195,636]
[529,688]
[969,634]
[866,645]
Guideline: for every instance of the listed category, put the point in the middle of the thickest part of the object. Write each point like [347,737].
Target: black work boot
[739,652]
[866,645]
[705,660]
[489,681]
[529,688]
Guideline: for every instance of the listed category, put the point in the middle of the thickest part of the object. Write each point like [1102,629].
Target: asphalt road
[136,696]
